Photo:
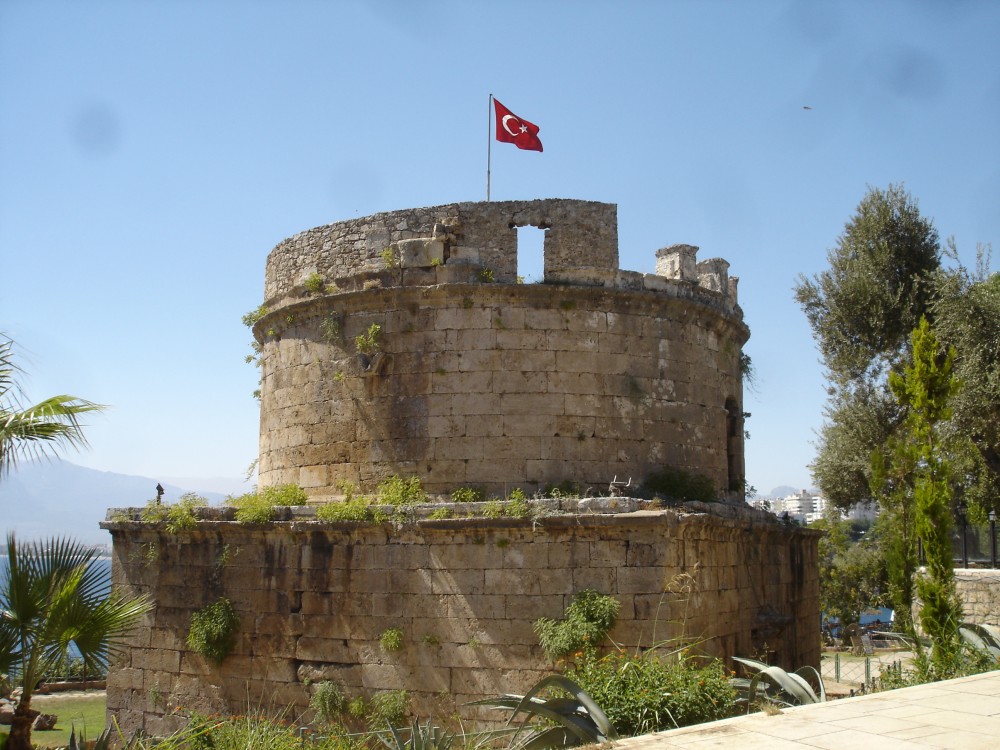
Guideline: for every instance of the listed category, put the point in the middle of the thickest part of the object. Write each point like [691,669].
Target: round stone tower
[402,343]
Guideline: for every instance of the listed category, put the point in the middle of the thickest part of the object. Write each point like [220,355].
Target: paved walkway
[963,714]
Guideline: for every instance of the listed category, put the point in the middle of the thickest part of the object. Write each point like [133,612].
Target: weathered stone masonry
[473,379]
[595,373]
[314,598]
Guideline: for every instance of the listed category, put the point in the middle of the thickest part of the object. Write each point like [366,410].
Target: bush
[213,630]
[258,507]
[646,693]
[397,491]
[328,702]
[355,509]
[467,495]
[252,508]
[588,619]
[314,283]
[388,708]
[391,639]
[680,485]
[285,494]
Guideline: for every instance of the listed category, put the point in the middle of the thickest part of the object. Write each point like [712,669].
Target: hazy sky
[152,154]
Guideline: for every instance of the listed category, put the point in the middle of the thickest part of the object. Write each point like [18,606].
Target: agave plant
[775,685]
[983,638]
[103,741]
[427,737]
[570,721]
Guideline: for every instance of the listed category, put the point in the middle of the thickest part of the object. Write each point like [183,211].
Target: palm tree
[54,595]
[36,430]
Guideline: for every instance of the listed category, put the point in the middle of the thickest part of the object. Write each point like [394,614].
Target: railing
[858,675]
[974,545]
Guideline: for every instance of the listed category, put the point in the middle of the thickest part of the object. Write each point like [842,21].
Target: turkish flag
[512,129]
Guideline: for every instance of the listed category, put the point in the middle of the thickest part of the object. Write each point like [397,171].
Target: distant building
[806,507]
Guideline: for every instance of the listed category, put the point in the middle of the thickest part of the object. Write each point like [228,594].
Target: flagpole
[489,145]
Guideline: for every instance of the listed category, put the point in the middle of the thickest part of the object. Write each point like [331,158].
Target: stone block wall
[600,373]
[979,592]
[315,597]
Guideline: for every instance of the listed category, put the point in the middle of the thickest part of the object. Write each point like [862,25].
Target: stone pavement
[963,714]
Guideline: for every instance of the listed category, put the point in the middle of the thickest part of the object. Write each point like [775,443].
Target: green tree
[852,571]
[34,430]
[967,316]
[863,308]
[54,596]
[861,311]
[925,388]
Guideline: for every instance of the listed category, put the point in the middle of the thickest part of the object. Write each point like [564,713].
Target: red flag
[512,129]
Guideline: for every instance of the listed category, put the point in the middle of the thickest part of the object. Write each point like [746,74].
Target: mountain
[41,499]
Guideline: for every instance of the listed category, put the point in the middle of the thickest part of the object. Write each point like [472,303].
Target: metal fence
[859,675]
[974,545]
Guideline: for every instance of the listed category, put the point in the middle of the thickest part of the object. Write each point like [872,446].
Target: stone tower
[402,343]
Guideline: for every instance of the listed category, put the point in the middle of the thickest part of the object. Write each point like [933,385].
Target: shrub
[177,517]
[493,509]
[285,494]
[213,630]
[355,509]
[251,508]
[680,485]
[314,283]
[258,507]
[391,639]
[587,620]
[368,342]
[252,317]
[467,495]
[397,491]
[646,693]
[328,702]
[388,708]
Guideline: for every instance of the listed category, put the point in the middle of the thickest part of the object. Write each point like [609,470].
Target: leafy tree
[861,311]
[54,595]
[852,572]
[34,430]
[864,306]
[967,316]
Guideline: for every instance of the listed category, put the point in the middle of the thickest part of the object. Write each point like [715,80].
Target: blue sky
[152,153]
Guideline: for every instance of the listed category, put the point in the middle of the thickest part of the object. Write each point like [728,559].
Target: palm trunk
[20,728]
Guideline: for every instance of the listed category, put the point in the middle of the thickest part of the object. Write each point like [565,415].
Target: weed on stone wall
[174,517]
[315,283]
[368,342]
[391,639]
[258,507]
[213,630]
[398,491]
[679,485]
[328,702]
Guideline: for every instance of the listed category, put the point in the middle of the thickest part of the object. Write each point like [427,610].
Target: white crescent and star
[503,123]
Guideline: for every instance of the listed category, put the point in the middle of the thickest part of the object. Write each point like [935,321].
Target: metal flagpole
[489,144]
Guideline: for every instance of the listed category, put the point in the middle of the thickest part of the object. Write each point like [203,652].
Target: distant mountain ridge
[41,499]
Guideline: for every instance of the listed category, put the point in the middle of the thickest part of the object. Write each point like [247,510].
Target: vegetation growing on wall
[258,506]
[368,342]
[213,630]
[175,517]
[680,485]
[587,621]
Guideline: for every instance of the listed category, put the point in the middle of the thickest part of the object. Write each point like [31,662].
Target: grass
[86,711]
